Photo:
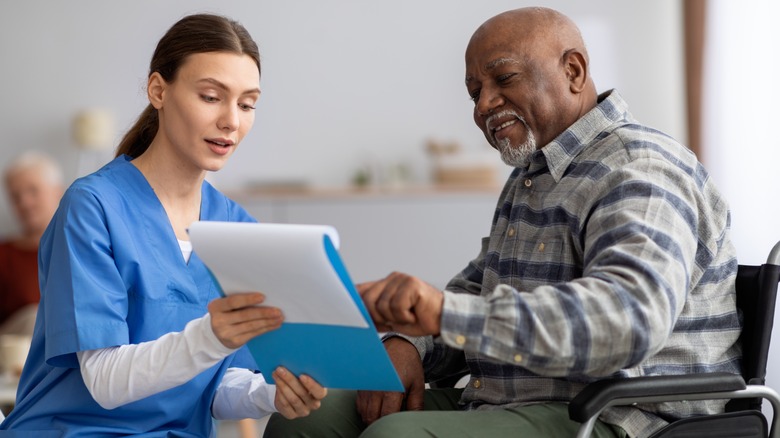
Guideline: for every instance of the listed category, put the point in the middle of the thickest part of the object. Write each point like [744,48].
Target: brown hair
[192,34]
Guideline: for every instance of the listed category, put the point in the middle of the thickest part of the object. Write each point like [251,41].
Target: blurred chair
[247,428]
[756,295]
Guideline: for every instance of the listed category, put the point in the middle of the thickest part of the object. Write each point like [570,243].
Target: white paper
[287,263]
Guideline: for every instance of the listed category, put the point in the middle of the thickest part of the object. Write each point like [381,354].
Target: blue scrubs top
[112,273]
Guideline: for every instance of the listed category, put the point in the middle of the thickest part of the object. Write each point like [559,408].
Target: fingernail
[281,371]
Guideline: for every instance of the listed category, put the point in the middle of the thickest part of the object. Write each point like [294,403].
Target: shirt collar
[560,152]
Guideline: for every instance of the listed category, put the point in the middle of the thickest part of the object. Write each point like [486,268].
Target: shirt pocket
[162,291]
[179,293]
[527,262]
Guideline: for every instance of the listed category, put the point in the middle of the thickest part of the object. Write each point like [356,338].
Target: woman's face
[208,108]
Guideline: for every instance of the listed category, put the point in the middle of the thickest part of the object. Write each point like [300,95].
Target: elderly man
[609,255]
[34,185]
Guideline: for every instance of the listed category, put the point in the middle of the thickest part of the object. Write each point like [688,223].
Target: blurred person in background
[34,184]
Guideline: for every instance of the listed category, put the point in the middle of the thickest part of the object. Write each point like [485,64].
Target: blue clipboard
[344,357]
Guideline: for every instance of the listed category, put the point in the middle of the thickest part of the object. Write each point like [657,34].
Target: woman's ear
[576,70]
[155,89]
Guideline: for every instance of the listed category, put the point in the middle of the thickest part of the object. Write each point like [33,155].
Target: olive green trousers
[337,417]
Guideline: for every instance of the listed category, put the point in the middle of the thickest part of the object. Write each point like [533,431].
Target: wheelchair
[756,294]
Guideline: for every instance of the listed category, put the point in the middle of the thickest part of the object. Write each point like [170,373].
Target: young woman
[123,343]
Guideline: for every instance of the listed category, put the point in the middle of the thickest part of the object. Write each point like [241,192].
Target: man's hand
[237,318]
[372,405]
[296,397]
[404,304]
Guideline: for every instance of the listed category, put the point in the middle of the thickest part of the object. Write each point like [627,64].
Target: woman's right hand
[238,318]
[296,396]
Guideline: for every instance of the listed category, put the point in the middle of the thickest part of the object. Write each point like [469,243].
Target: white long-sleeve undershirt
[119,375]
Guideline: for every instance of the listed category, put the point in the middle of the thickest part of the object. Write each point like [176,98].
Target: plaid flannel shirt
[609,256]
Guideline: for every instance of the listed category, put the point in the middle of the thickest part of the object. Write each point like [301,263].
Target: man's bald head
[534,20]
[544,29]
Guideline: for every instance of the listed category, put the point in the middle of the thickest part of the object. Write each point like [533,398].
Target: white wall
[343,81]
[348,81]
[740,115]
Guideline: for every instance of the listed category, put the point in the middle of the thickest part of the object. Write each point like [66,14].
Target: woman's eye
[207,98]
[246,106]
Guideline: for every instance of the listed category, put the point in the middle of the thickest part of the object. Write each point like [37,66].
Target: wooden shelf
[362,192]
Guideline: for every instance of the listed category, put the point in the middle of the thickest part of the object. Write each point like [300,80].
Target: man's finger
[370,297]
[363,287]
[369,405]
[391,403]
[415,398]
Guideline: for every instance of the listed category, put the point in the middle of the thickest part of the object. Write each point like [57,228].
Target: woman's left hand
[238,318]
[296,396]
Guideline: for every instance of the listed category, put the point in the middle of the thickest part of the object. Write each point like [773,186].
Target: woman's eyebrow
[221,85]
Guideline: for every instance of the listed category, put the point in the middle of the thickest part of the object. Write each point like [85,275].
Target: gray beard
[520,155]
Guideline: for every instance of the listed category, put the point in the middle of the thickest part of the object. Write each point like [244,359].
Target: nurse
[131,336]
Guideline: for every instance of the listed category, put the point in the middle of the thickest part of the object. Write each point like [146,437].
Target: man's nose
[488,101]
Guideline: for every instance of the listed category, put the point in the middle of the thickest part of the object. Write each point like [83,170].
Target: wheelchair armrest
[595,396]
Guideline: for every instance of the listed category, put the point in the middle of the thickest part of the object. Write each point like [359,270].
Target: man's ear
[155,89]
[576,70]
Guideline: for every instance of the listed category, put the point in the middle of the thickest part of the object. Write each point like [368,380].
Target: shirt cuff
[423,344]
[243,394]
[211,344]
[463,320]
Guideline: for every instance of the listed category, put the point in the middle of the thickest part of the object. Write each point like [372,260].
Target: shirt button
[518,358]
[510,232]
[477,383]
[528,182]
[541,247]
[460,339]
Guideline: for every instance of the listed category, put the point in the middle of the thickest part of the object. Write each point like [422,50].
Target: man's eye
[503,78]
[474,96]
